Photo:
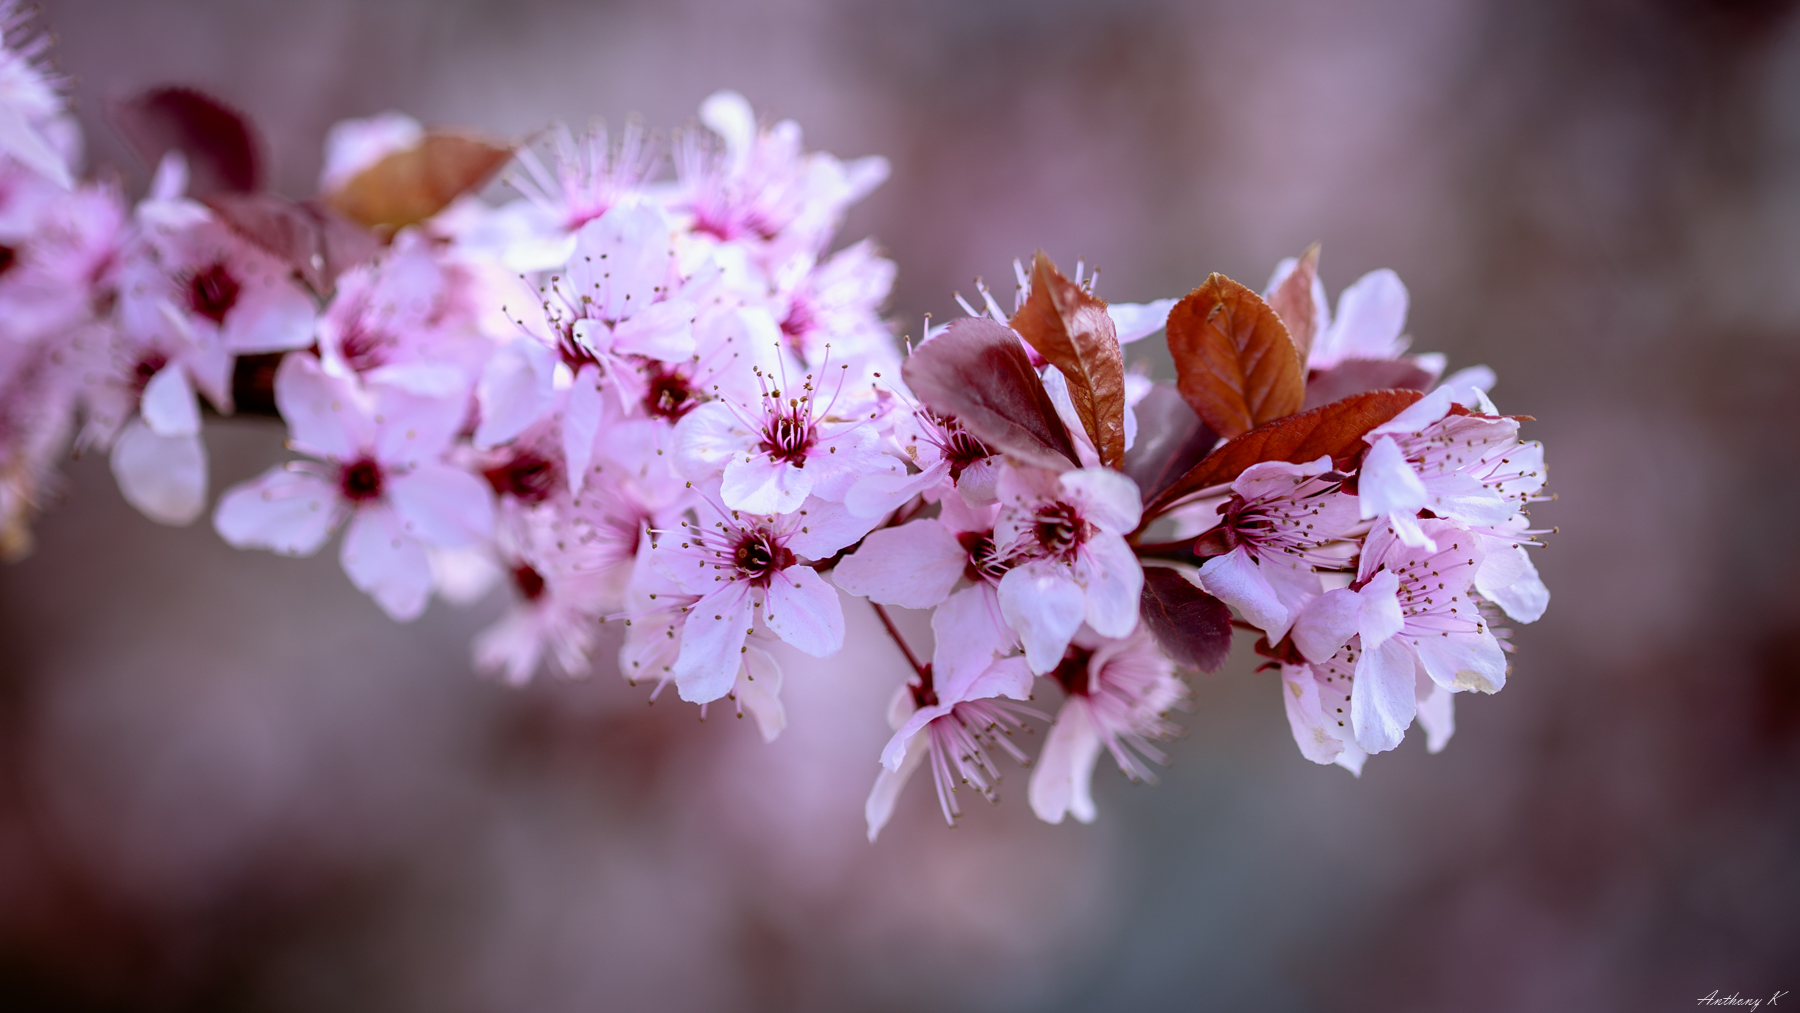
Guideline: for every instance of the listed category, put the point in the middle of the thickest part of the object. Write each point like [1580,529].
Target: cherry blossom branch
[912,659]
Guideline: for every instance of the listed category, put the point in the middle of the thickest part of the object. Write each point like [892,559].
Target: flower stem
[894,631]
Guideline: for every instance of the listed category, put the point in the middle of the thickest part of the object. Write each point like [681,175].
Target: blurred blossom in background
[227,781]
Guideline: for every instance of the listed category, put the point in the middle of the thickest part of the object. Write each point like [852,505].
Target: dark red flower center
[1072,673]
[146,369]
[529,582]
[360,480]
[364,347]
[984,562]
[961,450]
[527,476]
[1059,529]
[212,292]
[758,557]
[788,433]
[668,394]
[8,257]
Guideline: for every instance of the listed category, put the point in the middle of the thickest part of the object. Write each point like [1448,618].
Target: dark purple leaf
[221,147]
[1191,625]
[977,372]
[1171,439]
[1354,376]
[316,242]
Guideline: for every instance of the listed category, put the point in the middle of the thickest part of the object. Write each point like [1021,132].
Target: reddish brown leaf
[1353,376]
[977,373]
[1336,429]
[1292,301]
[412,185]
[1191,625]
[316,242]
[1234,361]
[1171,439]
[218,142]
[1071,330]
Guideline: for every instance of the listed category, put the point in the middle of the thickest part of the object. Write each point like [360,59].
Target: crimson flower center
[212,293]
[788,434]
[758,556]
[527,476]
[668,394]
[360,480]
[529,582]
[1059,529]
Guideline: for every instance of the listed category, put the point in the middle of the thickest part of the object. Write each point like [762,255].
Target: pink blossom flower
[1278,524]
[35,127]
[378,465]
[836,303]
[224,288]
[1063,537]
[654,627]
[919,565]
[408,318]
[739,563]
[953,729]
[1317,697]
[1410,610]
[771,458]
[762,190]
[945,453]
[1427,459]
[1118,690]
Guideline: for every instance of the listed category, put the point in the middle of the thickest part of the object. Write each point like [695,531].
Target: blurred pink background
[228,782]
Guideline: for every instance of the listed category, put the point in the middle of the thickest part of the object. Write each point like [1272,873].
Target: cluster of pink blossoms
[644,390]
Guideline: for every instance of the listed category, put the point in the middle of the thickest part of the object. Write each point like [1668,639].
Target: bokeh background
[227,782]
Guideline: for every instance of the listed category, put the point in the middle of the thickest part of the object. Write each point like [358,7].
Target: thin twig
[894,631]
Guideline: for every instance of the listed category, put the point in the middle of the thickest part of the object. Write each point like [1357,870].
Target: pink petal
[800,608]
[758,690]
[168,404]
[1464,661]
[326,416]
[969,631]
[880,806]
[760,484]
[413,428]
[163,476]
[661,330]
[1062,782]
[442,505]
[386,564]
[915,565]
[1314,733]
[1387,484]
[1382,702]
[290,512]
[273,317]
[1236,580]
[1327,624]
[1107,498]
[712,643]
[1045,606]
[515,390]
[1113,582]
[581,423]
